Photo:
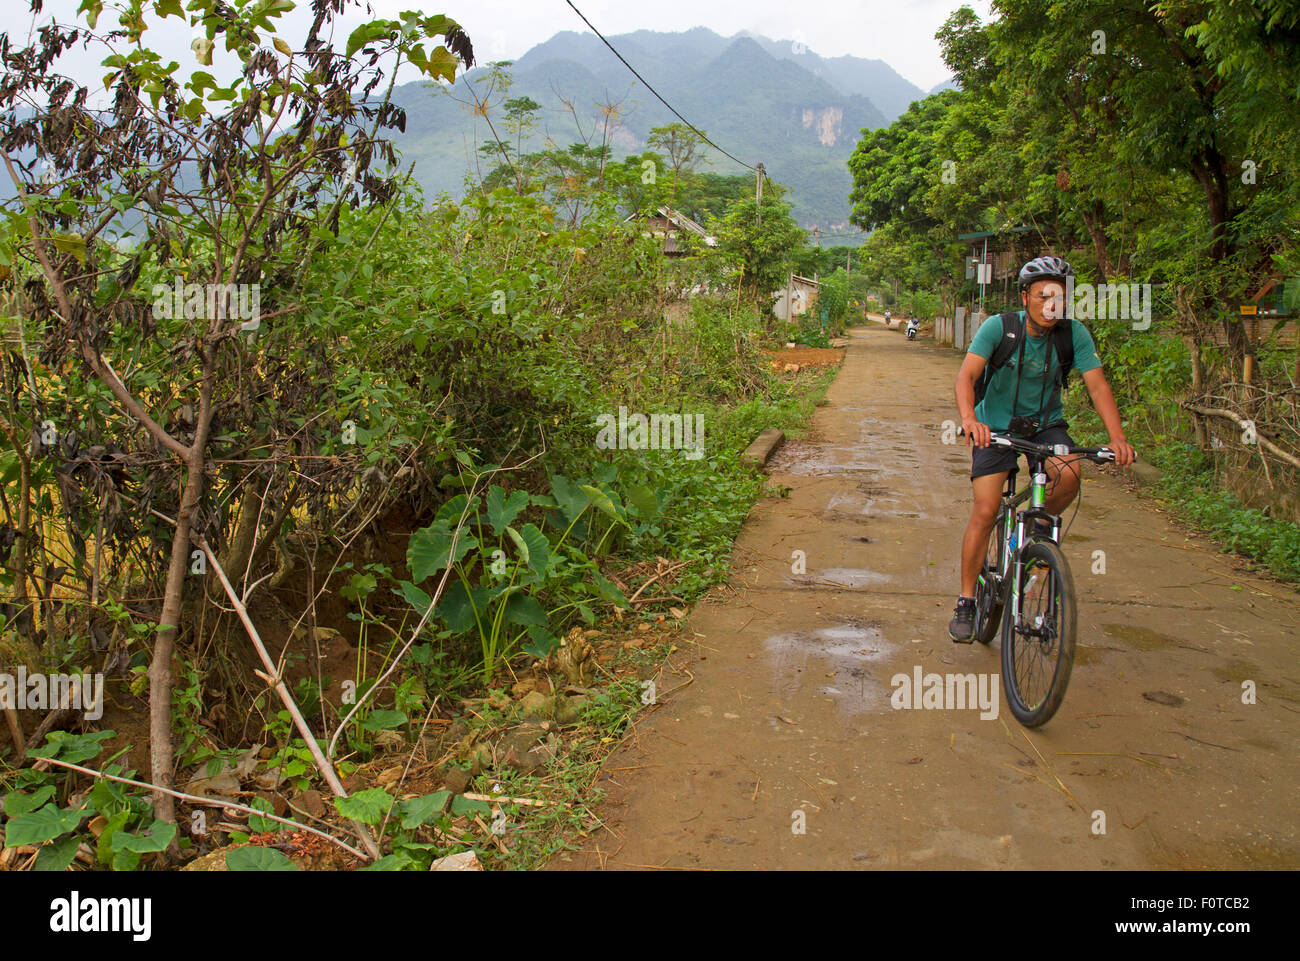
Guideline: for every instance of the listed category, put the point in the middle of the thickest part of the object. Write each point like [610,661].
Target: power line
[656,92]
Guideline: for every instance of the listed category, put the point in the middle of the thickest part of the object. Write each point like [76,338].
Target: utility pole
[817,236]
[758,194]
[983,260]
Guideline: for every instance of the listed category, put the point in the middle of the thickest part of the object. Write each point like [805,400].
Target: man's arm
[1103,401]
[964,389]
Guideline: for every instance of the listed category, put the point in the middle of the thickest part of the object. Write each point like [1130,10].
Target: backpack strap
[1064,337]
[1001,353]
[1010,339]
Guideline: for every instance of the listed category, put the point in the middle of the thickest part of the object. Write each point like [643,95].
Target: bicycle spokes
[1036,638]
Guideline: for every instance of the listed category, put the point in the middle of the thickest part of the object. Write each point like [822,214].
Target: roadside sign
[1248,310]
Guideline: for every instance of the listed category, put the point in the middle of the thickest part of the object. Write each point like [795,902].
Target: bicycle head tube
[1039,497]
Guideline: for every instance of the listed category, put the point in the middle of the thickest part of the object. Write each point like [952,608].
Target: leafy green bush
[1188,483]
[35,815]
[506,568]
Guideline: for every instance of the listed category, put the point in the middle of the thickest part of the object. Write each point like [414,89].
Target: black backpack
[1012,331]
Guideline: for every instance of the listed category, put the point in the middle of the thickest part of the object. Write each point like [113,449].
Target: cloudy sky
[900,32]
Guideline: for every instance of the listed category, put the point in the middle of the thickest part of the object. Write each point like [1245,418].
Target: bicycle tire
[1047,558]
[989,595]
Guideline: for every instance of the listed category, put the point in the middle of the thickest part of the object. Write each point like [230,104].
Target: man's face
[1044,302]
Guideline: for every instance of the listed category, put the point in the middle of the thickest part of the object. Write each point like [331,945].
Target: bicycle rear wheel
[989,593]
[1038,648]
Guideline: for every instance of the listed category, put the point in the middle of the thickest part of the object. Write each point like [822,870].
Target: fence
[958,330]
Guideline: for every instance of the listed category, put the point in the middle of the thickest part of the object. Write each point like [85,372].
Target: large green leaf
[604,503]
[414,596]
[571,498]
[539,549]
[642,497]
[73,748]
[397,861]
[534,548]
[259,824]
[17,804]
[450,513]
[608,589]
[421,810]
[441,63]
[104,846]
[255,858]
[523,609]
[160,835]
[461,805]
[74,244]
[57,855]
[502,509]
[460,609]
[367,32]
[541,642]
[368,806]
[44,824]
[429,551]
[383,719]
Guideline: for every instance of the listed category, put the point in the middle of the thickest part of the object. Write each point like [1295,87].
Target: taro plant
[504,569]
[122,825]
[409,824]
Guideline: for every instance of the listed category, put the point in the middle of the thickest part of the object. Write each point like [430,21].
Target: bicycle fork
[1037,502]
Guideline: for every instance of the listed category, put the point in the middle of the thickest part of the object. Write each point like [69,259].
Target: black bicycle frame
[1009,520]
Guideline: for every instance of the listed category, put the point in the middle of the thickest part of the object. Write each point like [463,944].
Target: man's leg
[987,490]
[1063,477]
[984,511]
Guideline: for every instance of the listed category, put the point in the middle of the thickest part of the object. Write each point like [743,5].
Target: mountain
[761,100]
[874,79]
[949,84]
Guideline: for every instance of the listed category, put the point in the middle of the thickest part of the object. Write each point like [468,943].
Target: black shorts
[995,460]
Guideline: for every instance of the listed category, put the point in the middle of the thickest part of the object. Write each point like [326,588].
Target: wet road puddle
[1141,638]
[840,577]
[819,460]
[857,503]
[837,660]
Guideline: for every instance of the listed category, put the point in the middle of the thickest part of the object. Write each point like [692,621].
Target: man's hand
[1124,452]
[977,433]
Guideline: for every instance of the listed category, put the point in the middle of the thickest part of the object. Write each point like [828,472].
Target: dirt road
[785,721]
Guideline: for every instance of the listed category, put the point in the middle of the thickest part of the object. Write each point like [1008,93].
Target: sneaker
[962,626]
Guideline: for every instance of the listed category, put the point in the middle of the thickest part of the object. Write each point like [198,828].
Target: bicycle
[1024,548]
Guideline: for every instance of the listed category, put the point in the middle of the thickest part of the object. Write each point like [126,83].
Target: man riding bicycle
[1022,397]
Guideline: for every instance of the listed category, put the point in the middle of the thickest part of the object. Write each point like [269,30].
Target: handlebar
[1098,455]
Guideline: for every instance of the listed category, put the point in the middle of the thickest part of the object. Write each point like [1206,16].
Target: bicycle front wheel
[1038,645]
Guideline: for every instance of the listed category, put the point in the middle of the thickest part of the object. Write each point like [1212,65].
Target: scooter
[913,326]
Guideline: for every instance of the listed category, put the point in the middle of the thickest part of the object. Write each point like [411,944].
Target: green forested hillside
[798,114]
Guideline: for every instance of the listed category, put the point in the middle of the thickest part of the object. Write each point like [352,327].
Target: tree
[763,251]
[682,146]
[1148,93]
[225,189]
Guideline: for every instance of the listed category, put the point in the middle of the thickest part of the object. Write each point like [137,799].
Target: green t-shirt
[995,408]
